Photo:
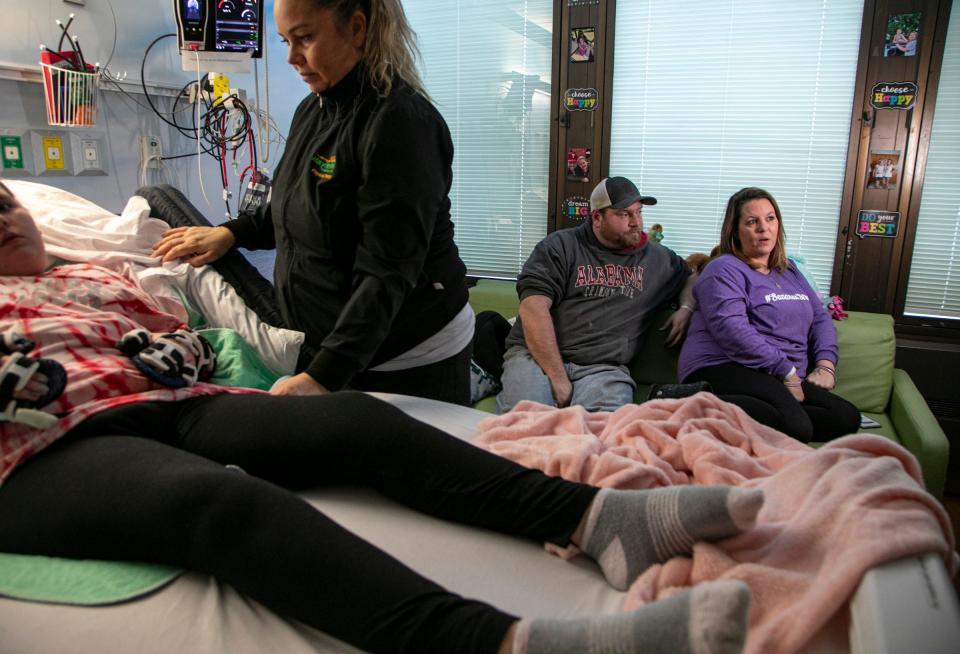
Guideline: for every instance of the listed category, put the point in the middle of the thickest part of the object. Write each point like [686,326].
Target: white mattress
[904,602]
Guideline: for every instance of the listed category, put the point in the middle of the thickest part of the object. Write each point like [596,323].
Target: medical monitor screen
[192,20]
[238,26]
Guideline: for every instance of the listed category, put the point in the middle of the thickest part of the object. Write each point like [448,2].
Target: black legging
[148,482]
[821,416]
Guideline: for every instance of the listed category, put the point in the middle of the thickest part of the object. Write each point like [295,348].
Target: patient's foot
[627,531]
[709,619]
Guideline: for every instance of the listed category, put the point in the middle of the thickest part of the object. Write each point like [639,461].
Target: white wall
[121,119]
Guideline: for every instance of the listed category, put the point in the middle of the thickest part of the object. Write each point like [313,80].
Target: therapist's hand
[302,384]
[195,245]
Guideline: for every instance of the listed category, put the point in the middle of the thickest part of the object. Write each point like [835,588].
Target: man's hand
[823,375]
[301,384]
[678,322]
[195,245]
[562,390]
[541,340]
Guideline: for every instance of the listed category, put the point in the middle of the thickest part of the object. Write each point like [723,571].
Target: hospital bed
[902,606]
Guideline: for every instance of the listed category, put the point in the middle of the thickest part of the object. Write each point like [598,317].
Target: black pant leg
[130,498]
[831,415]
[447,380]
[350,437]
[760,410]
[730,381]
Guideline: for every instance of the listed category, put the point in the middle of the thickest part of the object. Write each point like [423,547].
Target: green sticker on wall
[12,148]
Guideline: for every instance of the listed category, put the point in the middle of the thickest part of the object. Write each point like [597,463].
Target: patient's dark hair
[390,51]
[730,231]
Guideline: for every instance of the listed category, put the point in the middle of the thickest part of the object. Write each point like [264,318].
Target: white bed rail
[906,607]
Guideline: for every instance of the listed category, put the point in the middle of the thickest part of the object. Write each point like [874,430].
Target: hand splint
[16,372]
[176,360]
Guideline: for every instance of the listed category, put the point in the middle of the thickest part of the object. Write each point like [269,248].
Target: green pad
[84,582]
[238,364]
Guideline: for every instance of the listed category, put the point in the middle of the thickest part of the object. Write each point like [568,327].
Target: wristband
[792,371]
[831,371]
[687,307]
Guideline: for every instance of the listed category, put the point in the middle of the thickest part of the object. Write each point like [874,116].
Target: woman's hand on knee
[301,384]
[195,245]
[823,375]
[793,384]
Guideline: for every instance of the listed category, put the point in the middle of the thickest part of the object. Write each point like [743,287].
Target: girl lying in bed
[134,458]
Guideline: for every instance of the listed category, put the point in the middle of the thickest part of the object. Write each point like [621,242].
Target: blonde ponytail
[390,51]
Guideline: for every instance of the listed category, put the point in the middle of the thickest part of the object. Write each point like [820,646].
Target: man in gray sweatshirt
[586,296]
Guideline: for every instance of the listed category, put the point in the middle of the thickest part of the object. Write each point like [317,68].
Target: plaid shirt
[76,314]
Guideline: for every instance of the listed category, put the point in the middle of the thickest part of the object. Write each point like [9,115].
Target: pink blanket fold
[829,515]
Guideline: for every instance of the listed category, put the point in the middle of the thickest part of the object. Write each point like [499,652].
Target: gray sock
[709,619]
[628,531]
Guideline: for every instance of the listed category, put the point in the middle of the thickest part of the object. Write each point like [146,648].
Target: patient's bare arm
[195,245]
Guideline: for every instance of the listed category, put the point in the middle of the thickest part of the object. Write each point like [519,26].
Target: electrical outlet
[17,150]
[89,152]
[52,152]
[150,151]
[14,153]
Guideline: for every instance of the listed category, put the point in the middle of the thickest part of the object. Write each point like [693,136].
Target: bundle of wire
[75,59]
[222,126]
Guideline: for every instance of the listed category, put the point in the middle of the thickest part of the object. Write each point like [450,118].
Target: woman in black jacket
[366,263]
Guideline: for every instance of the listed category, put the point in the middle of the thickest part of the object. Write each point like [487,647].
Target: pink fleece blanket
[829,515]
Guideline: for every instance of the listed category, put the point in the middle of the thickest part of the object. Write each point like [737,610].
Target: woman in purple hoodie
[760,336]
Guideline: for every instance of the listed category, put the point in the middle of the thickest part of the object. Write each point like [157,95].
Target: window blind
[934,286]
[487,66]
[710,97]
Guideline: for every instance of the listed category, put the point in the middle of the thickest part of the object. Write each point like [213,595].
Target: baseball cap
[617,193]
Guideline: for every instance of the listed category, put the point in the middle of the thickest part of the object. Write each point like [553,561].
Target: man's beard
[622,241]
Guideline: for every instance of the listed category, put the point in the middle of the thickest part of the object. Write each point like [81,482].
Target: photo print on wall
[578,164]
[882,169]
[582,41]
[903,35]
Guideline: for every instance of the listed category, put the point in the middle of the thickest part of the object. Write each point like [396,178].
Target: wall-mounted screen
[220,26]
[238,26]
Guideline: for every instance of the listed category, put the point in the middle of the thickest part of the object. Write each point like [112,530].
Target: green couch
[866,377]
